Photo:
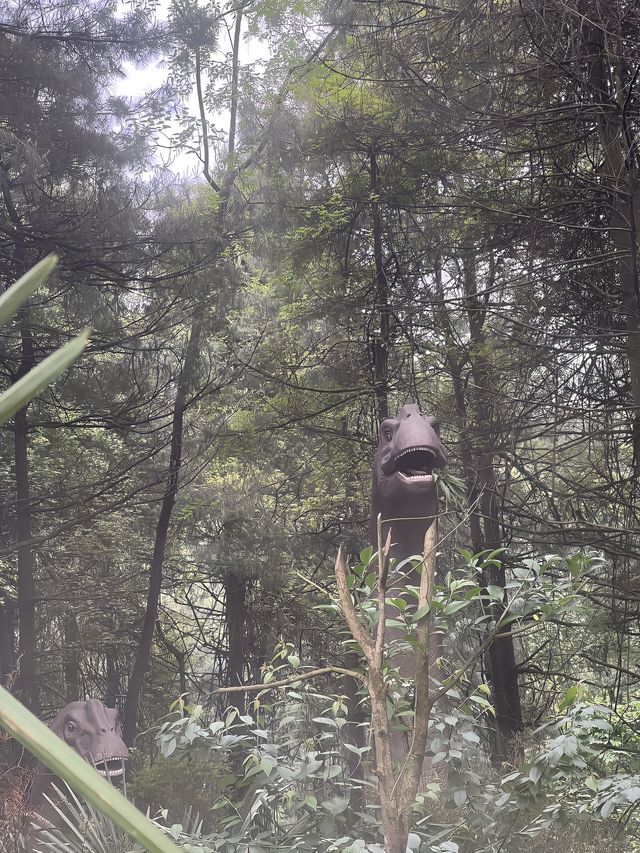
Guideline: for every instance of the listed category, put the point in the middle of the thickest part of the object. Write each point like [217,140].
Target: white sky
[139,80]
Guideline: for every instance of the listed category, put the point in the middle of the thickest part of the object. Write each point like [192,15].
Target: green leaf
[607,807]
[421,612]
[54,753]
[460,797]
[19,292]
[591,782]
[366,555]
[495,592]
[25,389]
[535,773]
[493,554]
[472,737]
[454,606]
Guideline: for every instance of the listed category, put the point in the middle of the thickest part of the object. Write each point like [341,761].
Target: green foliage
[285,783]
[14,717]
[281,771]
[78,827]
[54,754]
[563,784]
[189,783]
[25,388]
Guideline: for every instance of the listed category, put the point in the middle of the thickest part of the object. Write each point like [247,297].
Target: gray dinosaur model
[94,732]
[405,494]
[404,490]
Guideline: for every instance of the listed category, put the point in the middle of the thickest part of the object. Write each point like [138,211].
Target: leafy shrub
[174,787]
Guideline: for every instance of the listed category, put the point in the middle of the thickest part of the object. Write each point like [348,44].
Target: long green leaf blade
[28,386]
[19,292]
[54,753]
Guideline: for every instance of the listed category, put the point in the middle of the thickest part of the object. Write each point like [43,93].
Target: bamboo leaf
[54,753]
[19,292]
[28,386]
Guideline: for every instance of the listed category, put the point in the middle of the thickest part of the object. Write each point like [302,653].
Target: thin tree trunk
[27,685]
[235,73]
[136,680]
[70,663]
[7,651]
[178,654]
[26,681]
[381,339]
[484,514]
[235,617]
[379,359]
[112,686]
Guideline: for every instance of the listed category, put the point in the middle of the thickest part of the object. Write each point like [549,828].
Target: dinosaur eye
[70,727]
[388,434]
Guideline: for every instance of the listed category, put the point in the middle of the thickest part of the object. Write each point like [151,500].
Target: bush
[179,785]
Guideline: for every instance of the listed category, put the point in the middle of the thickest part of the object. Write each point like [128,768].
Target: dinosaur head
[93,731]
[409,449]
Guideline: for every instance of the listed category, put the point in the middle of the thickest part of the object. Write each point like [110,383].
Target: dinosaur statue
[404,493]
[93,731]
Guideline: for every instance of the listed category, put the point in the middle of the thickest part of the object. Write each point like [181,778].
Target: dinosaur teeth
[110,767]
[412,477]
[413,450]
[416,463]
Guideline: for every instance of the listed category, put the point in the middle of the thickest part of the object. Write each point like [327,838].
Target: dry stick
[383,574]
[360,633]
[410,774]
[393,825]
[292,679]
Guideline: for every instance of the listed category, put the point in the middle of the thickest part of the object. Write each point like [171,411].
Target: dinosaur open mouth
[110,767]
[416,463]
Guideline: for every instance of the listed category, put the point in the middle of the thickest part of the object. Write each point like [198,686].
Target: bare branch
[293,679]
[360,634]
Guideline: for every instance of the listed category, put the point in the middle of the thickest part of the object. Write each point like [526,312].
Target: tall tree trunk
[380,342]
[70,662]
[26,681]
[27,685]
[136,680]
[7,650]
[112,686]
[236,617]
[477,451]
[609,80]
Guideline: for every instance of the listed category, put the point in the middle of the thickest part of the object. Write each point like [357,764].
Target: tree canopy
[386,203]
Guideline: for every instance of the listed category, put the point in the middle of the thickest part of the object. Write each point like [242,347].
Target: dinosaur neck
[408,522]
